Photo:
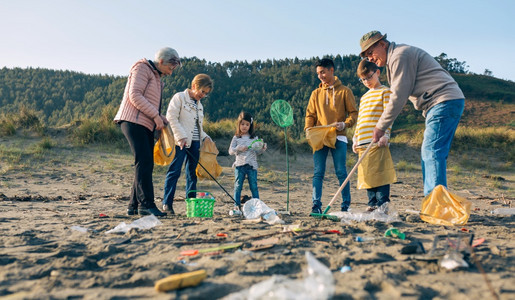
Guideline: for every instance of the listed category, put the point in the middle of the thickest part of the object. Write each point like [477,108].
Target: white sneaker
[235,212]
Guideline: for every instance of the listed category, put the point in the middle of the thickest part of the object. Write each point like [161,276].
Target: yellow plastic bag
[320,136]
[208,153]
[441,207]
[164,149]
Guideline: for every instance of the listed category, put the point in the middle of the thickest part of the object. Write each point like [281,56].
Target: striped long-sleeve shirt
[248,156]
[371,107]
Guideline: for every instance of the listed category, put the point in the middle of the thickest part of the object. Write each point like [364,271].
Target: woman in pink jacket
[139,116]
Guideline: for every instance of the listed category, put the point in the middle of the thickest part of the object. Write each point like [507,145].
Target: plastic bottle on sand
[504,211]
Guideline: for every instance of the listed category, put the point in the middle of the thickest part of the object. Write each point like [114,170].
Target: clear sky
[107,36]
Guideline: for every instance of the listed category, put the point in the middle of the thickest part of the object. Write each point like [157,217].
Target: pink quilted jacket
[140,103]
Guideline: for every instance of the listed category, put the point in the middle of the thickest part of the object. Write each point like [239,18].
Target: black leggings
[141,141]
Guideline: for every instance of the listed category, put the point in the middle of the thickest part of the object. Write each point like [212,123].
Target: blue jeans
[239,176]
[378,196]
[441,123]
[339,160]
[174,171]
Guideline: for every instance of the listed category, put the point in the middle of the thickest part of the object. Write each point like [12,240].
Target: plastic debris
[318,283]
[255,208]
[415,247]
[146,222]
[504,211]
[453,260]
[345,269]
[394,232]
[79,228]
[385,213]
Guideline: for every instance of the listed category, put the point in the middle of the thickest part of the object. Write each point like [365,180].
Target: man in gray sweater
[415,75]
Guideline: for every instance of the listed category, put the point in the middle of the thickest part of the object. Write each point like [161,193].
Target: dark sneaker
[132,211]
[151,211]
[316,210]
[169,209]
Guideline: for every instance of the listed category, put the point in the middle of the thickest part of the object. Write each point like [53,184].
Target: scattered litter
[103,216]
[444,244]
[263,244]
[318,283]
[221,234]
[255,209]
[178,281]
[184,262]
[504,211]
[292,228]
[412,211]
[364,239]
[385,213]
[345,269]
[394,232]
[193,252]
[453,260]
[414,247]
[478,242]
[146,222]
[79,229]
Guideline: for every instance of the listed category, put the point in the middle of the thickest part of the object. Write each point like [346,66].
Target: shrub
[7,127]
[101,130]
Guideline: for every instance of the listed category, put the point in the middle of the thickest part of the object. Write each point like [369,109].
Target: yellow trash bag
[208,153]
[320,136]
[164,149]
[376,168]
[441,207]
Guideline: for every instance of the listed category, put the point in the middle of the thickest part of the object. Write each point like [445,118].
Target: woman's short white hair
[168,55]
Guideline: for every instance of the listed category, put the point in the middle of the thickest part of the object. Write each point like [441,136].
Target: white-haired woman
[139,116]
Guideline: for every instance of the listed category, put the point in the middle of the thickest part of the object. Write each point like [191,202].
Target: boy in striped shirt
[376,171]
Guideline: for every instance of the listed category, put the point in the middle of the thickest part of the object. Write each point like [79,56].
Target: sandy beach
[44,253]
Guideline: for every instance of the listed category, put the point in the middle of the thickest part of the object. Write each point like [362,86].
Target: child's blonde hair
[247,117]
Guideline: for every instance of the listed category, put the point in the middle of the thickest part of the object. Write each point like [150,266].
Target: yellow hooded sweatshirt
[329,104]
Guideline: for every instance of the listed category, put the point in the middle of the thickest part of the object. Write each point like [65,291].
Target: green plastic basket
[199,207]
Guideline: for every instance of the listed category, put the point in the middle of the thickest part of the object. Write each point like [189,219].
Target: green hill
[61,97]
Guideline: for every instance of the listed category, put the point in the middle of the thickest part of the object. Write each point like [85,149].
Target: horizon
[106,38]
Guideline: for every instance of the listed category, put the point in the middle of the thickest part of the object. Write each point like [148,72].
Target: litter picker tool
[282,114]
[324,215]
[196,160]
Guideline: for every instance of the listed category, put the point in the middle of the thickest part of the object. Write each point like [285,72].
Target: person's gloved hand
[242,148]
[340,126]
[383,141]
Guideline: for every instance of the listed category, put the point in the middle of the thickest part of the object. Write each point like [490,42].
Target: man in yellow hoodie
[331,103]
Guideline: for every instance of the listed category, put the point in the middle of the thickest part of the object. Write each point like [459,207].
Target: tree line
[61,97]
